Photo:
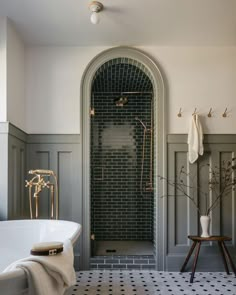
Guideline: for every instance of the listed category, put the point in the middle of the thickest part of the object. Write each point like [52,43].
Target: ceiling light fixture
[95,7]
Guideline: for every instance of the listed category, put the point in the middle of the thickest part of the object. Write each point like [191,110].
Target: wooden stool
[223,250]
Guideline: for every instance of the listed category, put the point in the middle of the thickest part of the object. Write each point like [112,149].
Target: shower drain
[110,251]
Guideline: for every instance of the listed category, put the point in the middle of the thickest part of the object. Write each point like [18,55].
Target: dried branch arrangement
[221,182]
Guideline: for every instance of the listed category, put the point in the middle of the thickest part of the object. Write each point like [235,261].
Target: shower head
[121,101]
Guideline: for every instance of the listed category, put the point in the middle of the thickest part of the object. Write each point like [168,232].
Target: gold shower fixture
[38,182]
[121,101]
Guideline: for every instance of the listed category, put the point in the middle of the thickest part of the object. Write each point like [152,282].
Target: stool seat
[211,238]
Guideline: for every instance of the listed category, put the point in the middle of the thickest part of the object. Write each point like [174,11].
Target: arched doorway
[159,143]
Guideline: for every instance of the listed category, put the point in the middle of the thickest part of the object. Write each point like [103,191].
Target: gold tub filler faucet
[38,182]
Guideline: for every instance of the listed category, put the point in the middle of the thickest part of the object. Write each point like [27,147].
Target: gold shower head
[121,101]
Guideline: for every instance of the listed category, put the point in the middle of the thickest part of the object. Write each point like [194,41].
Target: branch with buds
[221,182]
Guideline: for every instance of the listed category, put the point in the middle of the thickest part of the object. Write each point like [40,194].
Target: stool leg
[195,261]
[188,256]
[223,257]
[229,258]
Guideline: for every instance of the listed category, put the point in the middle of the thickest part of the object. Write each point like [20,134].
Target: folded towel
[195,139]
[48,274]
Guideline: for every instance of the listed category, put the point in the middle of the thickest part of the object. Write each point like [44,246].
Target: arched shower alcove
[145,64]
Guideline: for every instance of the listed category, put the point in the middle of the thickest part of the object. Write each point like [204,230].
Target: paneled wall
[62,154]
[16,177]
[19,153]
[12,171]
[182,216]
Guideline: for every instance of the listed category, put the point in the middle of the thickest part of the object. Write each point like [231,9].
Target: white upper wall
[12,72]
[15,78]
[3,69]
[201,77]
[53,76]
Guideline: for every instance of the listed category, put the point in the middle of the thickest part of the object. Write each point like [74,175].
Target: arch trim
[160,147]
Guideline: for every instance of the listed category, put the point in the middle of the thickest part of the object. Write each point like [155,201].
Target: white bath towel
[48,275]
[195,139]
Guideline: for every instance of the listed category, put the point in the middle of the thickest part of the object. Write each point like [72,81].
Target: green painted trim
[17,132]
[9,128]
[208,138]
[53,138]
[4,176]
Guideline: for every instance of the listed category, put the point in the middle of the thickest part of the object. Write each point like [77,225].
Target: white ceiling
[125,22]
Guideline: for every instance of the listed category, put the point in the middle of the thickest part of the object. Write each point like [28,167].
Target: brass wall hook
[180,113]
[209,115]
[195,112]
[224,115]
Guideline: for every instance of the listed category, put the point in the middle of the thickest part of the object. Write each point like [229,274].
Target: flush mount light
[95,8]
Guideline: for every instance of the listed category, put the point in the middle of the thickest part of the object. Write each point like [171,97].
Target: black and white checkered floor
[114,282]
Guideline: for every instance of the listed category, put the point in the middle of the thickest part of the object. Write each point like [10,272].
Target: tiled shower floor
[152,283]
[123,248]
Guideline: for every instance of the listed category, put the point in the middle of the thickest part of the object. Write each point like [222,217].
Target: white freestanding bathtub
[16,240]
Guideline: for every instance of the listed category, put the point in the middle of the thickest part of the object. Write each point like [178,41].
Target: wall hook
[224,115]
[180,113]
[195,112]
[209,115]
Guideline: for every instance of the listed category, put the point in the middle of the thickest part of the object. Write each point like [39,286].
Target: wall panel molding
[17,133]
[208,138]
[53,138]
[20,152]
[3,176]
[16,177]
[62,154]
[8,128]
[182,217]
[12,170]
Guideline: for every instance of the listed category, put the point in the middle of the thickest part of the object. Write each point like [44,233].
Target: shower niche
[121,160]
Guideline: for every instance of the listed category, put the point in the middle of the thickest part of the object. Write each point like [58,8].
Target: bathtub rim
[18,275]
[73,238]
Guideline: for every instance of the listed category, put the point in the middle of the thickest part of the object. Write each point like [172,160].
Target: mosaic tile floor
[151,282]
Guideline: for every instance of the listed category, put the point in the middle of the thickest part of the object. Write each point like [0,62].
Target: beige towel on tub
[195,139]
[48,275]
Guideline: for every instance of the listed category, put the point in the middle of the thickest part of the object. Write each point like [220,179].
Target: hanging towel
[195,139]
[48,274]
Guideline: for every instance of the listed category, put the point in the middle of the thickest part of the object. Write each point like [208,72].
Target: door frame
[160,148]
